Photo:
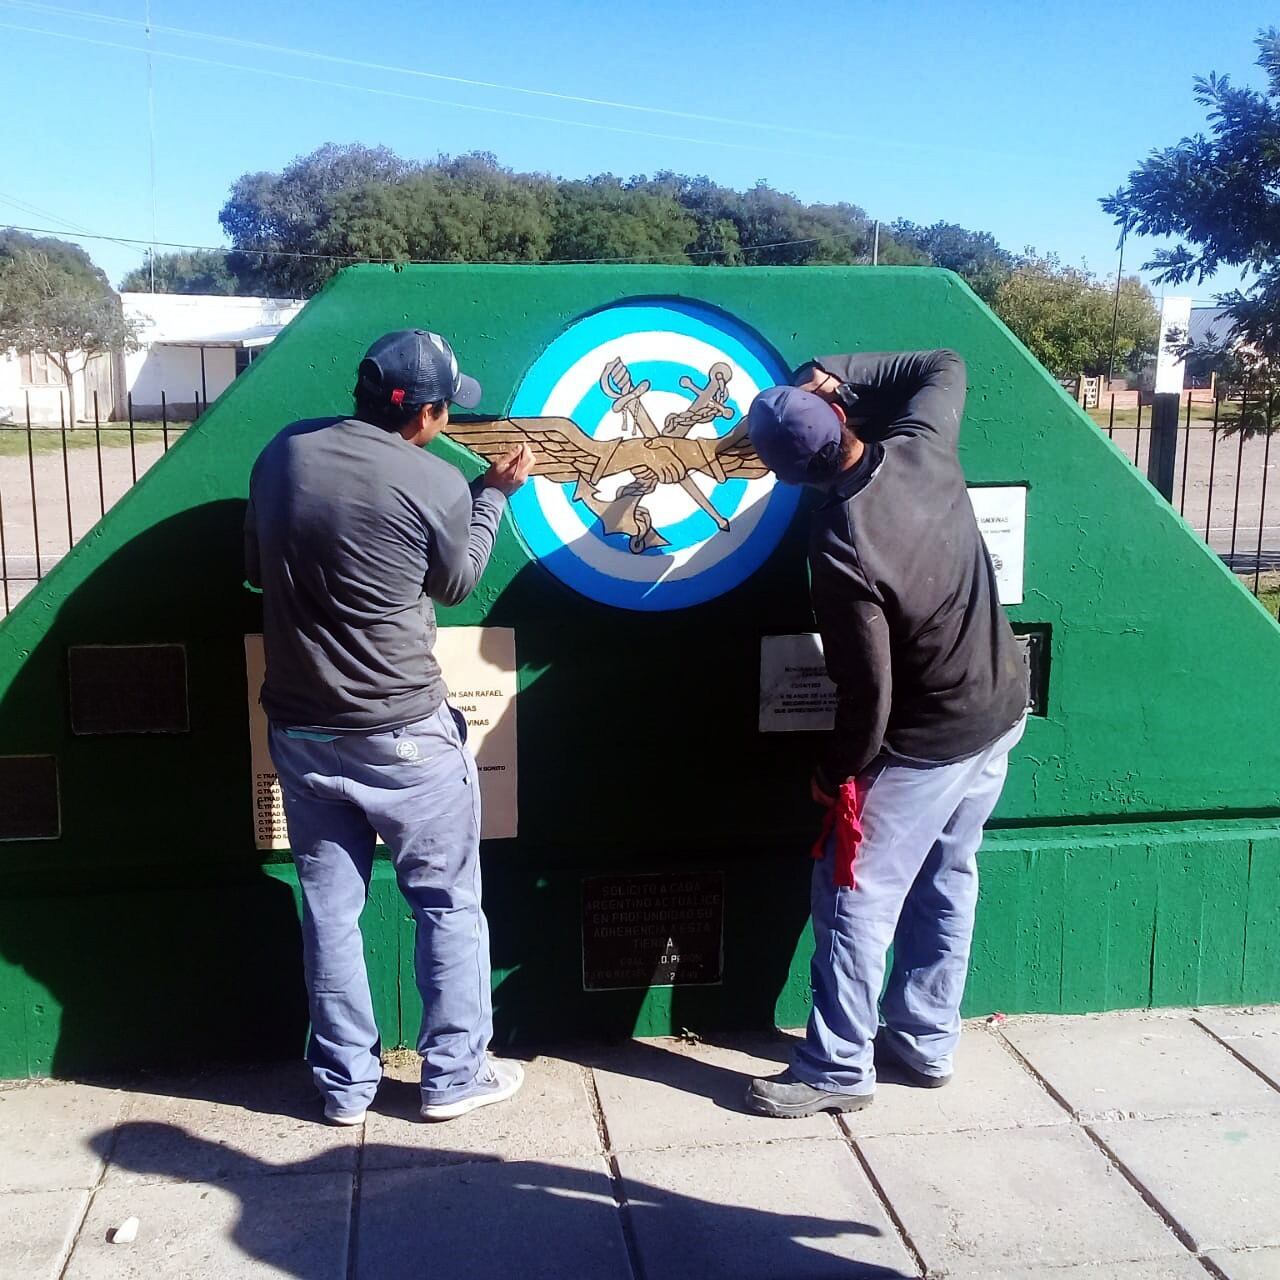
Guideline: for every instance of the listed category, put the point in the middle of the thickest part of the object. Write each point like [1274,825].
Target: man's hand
[510,471]
[819,795]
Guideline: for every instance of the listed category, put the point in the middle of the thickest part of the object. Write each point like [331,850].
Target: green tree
[1217,195]
[974,255]
[55,301]
[274,219]
[1064,315]
[188,271]
[467,209]
[604,217]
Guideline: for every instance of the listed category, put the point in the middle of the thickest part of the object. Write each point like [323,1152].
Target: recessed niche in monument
[29,805]
[128,688]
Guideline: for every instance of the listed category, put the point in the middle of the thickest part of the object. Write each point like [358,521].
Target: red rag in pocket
[843,824]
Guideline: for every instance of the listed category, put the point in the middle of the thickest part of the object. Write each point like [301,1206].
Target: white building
[193,347]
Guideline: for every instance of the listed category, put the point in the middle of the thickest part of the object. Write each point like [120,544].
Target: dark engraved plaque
[128,688]
[652,930]
[29,805]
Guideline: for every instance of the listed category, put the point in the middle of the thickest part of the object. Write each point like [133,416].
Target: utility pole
[1115,312]
[875,245]
[151,124]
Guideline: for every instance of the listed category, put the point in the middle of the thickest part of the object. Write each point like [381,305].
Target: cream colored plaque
[479,665]
[269,830]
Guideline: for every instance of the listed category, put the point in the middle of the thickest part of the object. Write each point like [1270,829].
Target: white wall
[45,400]
[176,372]
[184,317]
[161,317]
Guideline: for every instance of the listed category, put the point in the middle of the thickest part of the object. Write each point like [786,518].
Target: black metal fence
[1221,480]
[56,483]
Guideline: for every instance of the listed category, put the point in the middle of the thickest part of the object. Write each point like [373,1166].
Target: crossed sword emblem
[565,454]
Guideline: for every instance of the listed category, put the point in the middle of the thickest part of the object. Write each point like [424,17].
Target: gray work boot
[788,1098]
[892,1070]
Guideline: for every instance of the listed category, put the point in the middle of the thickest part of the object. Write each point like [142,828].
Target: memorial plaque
[269,829]
[1002,521]
[128,688]
[795,691]
[652,931]
[479,664]
[30,808]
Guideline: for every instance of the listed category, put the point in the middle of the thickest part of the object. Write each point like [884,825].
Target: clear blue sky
[1011,117]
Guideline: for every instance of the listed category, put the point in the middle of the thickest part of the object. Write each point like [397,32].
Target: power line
[410,97]
[440,262]
[335,59]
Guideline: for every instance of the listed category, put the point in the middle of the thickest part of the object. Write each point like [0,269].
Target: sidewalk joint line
[1023,1061]
[1239,1057]
[74,1238]
[900,1227]
[615,1174]
[1149,1197]
[353,1217]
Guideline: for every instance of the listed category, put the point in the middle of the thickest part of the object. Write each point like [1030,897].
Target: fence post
[1163,448]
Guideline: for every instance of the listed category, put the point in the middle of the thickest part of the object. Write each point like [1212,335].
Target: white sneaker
[348,1119]
[501,1081]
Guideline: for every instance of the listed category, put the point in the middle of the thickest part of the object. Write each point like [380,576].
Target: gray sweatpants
[916,886]
[416,787]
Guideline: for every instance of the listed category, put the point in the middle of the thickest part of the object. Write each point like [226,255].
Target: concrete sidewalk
[1133,1146]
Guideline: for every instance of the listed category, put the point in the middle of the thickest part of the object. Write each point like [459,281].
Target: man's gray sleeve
[906,392]
[462,532]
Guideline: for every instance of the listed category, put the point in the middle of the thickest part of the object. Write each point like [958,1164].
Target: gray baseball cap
[791,428]
[413,367]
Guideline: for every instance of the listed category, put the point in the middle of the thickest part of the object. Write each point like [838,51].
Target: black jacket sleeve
[855,643]
[252,559]
[905,392]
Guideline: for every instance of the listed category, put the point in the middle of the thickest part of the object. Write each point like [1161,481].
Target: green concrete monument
[639,670]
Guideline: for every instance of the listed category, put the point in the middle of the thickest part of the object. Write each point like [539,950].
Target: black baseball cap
[412,367]
[789,428]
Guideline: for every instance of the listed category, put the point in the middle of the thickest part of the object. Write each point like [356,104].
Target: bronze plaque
[29,804]
[128,688]
[662,930]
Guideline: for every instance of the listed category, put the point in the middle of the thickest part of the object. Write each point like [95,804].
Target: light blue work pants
[916,877]
[416,787]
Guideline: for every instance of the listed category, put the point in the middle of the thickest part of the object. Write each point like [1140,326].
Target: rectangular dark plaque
[653,930]
[128,688]
[29,805]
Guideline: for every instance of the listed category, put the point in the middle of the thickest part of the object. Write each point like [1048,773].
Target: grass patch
[1268,589]
[1201,416]
[115,435]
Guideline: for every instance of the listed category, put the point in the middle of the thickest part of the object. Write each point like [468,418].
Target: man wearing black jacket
[932,695]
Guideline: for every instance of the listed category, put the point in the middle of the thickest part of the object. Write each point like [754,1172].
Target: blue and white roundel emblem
[648,494]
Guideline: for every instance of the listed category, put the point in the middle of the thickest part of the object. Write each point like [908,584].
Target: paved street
[1115,1147]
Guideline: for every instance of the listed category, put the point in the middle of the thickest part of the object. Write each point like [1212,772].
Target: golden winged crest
[565,454]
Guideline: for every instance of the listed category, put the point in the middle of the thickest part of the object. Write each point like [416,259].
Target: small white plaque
[795,691]
[479,665]
[1002,521]
[1175,323]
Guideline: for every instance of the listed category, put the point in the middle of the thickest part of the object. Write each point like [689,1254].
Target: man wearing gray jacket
[932,695]
[352,530]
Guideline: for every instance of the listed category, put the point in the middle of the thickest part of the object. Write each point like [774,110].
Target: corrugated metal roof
[1209,325]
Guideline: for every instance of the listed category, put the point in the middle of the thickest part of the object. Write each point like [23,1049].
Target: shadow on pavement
[478,1217]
